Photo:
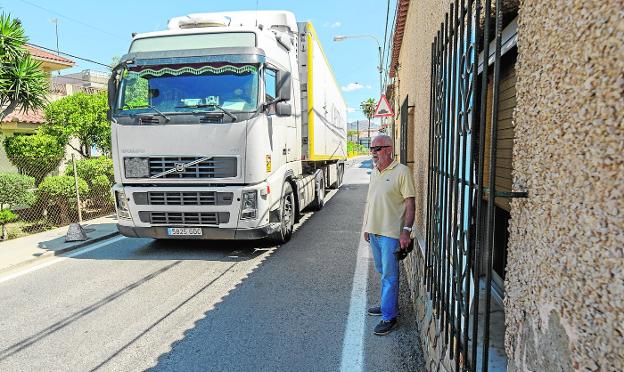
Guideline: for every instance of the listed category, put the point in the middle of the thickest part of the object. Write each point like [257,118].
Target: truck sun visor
[209,55]
[196,71]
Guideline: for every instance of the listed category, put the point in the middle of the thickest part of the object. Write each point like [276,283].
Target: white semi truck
[224,126]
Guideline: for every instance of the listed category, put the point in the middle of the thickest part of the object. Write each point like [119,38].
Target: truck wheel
[287,216]
[319,194]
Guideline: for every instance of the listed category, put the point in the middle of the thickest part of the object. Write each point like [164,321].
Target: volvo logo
[179,167]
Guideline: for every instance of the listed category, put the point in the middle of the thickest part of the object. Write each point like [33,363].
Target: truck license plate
[188,231]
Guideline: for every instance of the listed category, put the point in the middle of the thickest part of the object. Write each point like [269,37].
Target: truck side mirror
[283,109]
[284,85]
[111,95]
[111,98]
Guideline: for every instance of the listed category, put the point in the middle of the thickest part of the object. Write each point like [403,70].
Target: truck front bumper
[208,233]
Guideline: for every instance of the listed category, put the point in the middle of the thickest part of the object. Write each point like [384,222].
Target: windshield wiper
[167,118]
[227,112]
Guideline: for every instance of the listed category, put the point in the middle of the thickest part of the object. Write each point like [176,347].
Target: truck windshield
[174,89]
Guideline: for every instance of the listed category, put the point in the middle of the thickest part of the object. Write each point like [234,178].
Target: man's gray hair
[385,138]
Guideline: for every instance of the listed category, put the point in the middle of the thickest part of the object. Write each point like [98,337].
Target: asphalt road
[137,304]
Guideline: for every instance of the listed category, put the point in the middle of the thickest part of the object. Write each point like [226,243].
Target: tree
[114,62]
[6,216]
[35,155]
[368,108]
[59,194]
[81,116]
[15,191]
[23,83]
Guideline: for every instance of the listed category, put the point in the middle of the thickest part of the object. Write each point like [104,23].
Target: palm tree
[368,108]
[22,81]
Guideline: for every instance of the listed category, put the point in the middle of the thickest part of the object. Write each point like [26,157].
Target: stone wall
[564,301]
[564,304]
[435,352]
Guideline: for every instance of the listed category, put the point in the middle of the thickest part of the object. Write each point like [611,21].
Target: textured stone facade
[564,304]
[413,80]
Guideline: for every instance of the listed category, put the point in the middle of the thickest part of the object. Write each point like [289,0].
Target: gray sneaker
[374,311]
[385,326]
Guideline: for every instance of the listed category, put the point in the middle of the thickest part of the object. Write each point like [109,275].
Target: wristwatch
[407,228]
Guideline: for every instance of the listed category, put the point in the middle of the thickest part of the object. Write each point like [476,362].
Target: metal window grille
[459,234]
[404,122]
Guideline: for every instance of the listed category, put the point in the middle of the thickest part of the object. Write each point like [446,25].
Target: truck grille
[216,167]
[183,198]
[184,218]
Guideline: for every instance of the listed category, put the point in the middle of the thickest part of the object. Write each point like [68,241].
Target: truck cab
[207,129]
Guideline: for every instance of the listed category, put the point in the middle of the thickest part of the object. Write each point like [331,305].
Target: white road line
[353,345]
[62,258]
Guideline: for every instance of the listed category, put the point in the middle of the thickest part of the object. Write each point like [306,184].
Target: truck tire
[319,194]
[287,215]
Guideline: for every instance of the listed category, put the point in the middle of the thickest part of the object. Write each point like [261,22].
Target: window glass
[181,89]
[270,84]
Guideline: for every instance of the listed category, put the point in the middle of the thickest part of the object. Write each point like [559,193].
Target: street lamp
[380,66]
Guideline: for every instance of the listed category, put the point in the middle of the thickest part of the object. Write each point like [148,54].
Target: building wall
[564,301]
[413,79]
[564,305]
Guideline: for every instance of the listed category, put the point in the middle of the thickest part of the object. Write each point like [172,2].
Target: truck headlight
[136,167]
[249,205]
[122,205]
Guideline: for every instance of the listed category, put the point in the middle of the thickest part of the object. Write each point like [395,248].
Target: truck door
[278,125]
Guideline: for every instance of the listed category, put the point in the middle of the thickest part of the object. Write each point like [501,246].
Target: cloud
[332,25]
[351,87]
[369,87]
[350,109]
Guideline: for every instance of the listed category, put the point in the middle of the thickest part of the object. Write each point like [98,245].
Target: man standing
[388,225]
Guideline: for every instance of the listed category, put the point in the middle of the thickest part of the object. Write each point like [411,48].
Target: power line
[388,60]
[66,77]
[59,52]
[72,19]
[385,35]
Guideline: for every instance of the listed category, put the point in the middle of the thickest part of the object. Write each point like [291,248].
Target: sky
[100,30]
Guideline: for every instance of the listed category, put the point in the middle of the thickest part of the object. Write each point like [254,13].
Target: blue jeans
[387,265]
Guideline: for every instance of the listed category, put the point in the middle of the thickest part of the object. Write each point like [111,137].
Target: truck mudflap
[208,233]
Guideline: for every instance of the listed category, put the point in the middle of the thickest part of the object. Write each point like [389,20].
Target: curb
[60,251]
[80,245]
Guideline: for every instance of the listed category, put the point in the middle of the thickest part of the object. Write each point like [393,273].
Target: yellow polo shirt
[387,191]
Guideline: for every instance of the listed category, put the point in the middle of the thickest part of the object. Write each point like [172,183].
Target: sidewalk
[21,251]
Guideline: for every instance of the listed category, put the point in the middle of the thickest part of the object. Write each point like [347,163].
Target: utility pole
[56,22]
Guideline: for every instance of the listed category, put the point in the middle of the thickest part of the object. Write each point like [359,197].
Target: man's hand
[366,237]
[404,239]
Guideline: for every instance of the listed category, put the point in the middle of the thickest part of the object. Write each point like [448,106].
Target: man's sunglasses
[377,148]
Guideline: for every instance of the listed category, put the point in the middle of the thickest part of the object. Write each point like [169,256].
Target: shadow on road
[290,313]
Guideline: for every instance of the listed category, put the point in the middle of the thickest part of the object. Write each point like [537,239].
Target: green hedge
[58,194]
[35,155]
[7,216]
[90,169]
[55,189]
[16,190]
